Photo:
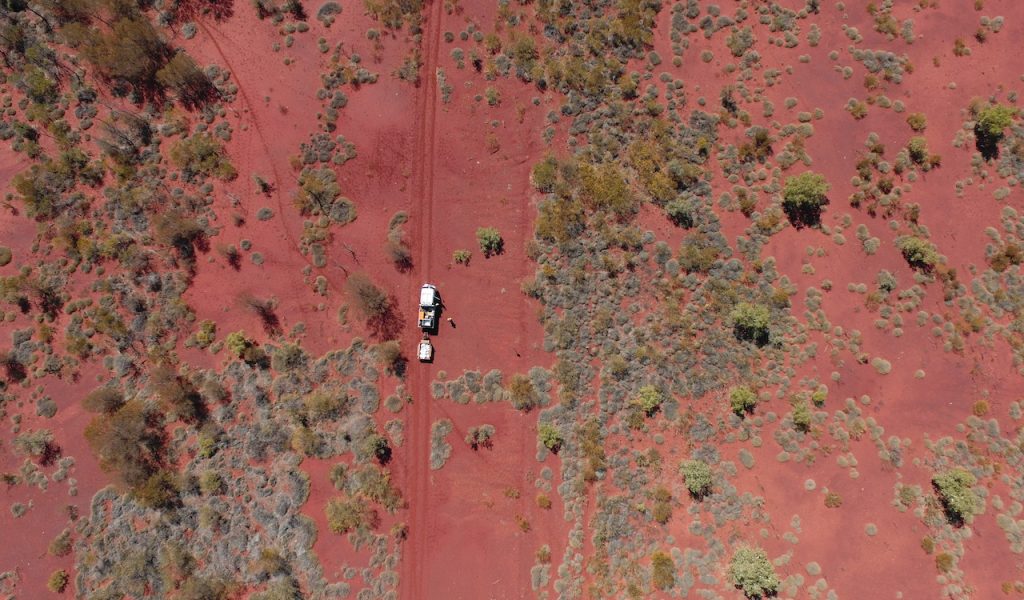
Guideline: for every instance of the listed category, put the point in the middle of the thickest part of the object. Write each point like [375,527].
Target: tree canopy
[752,572]
[803,197]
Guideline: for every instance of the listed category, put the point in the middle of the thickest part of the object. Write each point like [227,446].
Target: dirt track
[411,577]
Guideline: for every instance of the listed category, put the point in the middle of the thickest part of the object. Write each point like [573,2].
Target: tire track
[418,466]
[213,33]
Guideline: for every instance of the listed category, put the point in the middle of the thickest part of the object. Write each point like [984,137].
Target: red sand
[429,158]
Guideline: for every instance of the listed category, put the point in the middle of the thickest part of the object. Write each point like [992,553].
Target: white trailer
[425,352]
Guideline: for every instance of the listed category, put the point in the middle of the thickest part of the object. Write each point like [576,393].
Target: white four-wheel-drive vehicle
[430,305]
[425,351]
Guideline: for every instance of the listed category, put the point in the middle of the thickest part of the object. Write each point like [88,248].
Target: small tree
[697,476]
[550,437]
[390,356]
[752,572]
[104,399]
[183,76]
[367,297]
[490,240]
[750,322]
[989,125]
[742,400]
[803,197]
[958,499]
[132,52]
[128,442]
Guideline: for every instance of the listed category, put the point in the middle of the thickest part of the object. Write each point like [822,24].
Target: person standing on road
[451,322]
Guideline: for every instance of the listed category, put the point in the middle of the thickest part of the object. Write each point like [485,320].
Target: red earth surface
[432,159]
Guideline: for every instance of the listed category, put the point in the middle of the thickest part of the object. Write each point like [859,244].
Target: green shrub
[698,253]
[803,197]
[604,187]
[211,483]
[917,121]
[740,40]
[994,119]
[236,343]
[944,562]
[697,476]
[751,571]
[957,497]
[5,256]
[202,155]
[989,126]
[750,322]
[918,252]
[649,400]
[680,212]
[550,437]
[742,400]
[37,444]
[339,476]
[377,447]
[833,500]
[917,148]
[61,545]
[462,257]
[58,581]
[320,194]
[560,219]
[802,416]
[490,241]
[544,175]
[344,515]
